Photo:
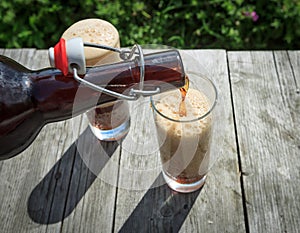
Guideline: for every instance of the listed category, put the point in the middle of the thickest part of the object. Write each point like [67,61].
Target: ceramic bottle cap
[66,55]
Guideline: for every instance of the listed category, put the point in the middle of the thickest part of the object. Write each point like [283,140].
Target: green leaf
[24,34]
[275,23]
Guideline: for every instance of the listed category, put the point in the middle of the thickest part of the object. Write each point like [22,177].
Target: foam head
[96,31]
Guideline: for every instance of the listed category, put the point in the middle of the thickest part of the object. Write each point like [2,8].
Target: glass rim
[201,116]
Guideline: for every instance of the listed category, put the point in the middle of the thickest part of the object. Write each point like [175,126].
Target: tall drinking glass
[184,126]
[109,121]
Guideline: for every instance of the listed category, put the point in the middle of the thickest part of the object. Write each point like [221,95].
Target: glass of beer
[108,121]
[111,121]
[184,122]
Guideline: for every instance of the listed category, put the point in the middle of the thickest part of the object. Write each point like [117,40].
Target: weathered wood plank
[89,191]
[267,137]
[294,59]
[217,208]
[294,94]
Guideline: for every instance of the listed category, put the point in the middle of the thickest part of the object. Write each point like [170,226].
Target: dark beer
[109,116]
[183,91]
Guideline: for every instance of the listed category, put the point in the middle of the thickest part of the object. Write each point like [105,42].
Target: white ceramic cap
[74,53]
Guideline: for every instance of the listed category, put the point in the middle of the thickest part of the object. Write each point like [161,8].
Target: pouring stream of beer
[183,91]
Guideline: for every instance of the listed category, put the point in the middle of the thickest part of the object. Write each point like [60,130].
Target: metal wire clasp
[125,54]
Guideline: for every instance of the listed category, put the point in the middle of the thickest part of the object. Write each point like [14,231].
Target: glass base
[184,188]
[111,134]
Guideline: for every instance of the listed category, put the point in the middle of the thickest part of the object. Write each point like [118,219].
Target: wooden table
[252,187]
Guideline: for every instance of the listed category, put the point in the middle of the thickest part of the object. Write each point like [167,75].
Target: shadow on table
[56,196]
[160,210]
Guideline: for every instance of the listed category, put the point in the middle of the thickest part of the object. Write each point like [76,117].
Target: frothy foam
[95,31]
[197,105]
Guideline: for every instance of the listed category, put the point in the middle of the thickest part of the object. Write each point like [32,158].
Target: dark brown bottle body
[31,99]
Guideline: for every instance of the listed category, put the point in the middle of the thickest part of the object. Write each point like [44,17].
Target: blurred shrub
[239,24]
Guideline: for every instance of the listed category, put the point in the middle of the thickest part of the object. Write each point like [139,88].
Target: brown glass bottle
[31,99]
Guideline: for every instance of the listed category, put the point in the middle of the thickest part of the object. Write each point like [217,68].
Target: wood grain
[261,86]
[91,198]
[68,181]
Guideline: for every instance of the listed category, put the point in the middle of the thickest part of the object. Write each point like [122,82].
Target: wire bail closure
[125,54]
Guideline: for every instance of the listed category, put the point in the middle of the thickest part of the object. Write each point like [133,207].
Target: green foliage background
[181,24]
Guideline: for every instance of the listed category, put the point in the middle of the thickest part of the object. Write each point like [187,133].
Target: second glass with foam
[109,121]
